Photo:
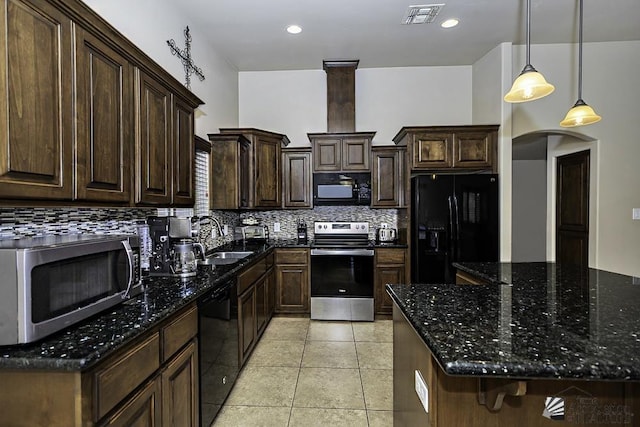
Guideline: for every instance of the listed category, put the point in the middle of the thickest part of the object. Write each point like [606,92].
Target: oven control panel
[338,228]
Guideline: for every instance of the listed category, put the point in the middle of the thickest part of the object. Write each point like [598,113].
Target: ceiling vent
[421,14]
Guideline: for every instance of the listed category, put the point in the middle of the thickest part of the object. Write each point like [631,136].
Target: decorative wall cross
[185,56]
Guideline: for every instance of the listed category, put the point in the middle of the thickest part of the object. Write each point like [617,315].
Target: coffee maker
[173,250]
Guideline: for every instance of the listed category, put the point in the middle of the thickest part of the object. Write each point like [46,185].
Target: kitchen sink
[232,255]
[224,258]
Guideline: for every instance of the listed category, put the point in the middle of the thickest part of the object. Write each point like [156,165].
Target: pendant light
[530,84]
[580,114]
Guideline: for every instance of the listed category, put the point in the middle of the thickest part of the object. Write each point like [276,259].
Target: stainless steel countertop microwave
[51,282]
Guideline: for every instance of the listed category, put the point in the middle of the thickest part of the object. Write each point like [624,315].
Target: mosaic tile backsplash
[30,222]
[288,219]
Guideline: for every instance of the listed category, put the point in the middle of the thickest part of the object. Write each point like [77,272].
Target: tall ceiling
[251,34]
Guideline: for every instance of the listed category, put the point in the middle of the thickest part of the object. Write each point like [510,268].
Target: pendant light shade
[580,114]
[530,84]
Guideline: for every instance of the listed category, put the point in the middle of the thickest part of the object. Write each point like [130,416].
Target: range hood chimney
[341,95]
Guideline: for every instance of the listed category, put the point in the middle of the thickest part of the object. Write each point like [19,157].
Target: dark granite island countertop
[535,320]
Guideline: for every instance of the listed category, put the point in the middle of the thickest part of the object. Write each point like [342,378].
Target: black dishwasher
[218,349]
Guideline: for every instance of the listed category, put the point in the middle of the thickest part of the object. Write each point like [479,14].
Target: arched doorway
[534,189]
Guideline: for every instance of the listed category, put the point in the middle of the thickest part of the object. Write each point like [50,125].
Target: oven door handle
[353,252]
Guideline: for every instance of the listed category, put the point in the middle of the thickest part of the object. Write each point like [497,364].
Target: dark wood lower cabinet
[389,268]
[246,323]
[180,402]
[143,410]
[129,388]
[292,281]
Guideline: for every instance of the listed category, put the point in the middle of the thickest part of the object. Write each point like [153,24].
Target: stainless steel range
[342,272]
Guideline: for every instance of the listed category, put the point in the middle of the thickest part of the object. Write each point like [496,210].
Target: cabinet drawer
[116,381]
[179,332]
[292,256]
[390,256]
[250,275]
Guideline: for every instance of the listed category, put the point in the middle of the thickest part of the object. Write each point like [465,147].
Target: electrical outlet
[225,229]
[422,390]
[635,213]
[276,227]
[214,233]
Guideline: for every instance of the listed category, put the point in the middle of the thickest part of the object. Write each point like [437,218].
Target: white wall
[492,78]
[295,102]
[289,102]
[610,86]
[529,243]
[149,24]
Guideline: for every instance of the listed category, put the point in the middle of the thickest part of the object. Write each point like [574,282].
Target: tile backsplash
[30,222]
[288,219]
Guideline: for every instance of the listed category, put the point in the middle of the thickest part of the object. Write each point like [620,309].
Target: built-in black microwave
[341,189]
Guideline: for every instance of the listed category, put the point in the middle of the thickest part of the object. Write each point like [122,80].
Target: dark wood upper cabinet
[155,170]
[451,147]
[105,127]
[267,172]
[387,177]
[71,82]
[36,112]
[336,152]
[432,150]
[296,179]
[183,153]
[246,169]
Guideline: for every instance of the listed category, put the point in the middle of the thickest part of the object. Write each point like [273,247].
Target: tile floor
[315,373]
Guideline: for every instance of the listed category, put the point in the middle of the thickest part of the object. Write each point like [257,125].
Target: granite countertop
[82,345]
[534,320]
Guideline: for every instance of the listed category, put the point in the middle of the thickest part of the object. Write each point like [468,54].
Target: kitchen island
[537,343]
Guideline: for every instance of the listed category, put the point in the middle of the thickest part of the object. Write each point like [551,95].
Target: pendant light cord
[528,64]
[580,56]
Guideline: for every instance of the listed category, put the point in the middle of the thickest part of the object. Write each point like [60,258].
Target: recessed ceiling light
[294,29]
[449,23]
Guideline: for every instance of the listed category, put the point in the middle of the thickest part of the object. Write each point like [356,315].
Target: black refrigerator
[454,217]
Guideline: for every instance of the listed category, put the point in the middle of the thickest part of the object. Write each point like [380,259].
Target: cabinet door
[180,402]
[183,154]
[432,150]
[327,154]
[271,292]
[296,177]
[267,173]
[387,178]
[261,305]
[36,112]
[473,150]
[155,156]
[292,282]
[355,154]
[105,128]
[143,410]
[246,323]
[390,268]
[384,275]
[225,175]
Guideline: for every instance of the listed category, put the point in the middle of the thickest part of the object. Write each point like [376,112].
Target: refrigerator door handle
[457,221]
[452,232]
